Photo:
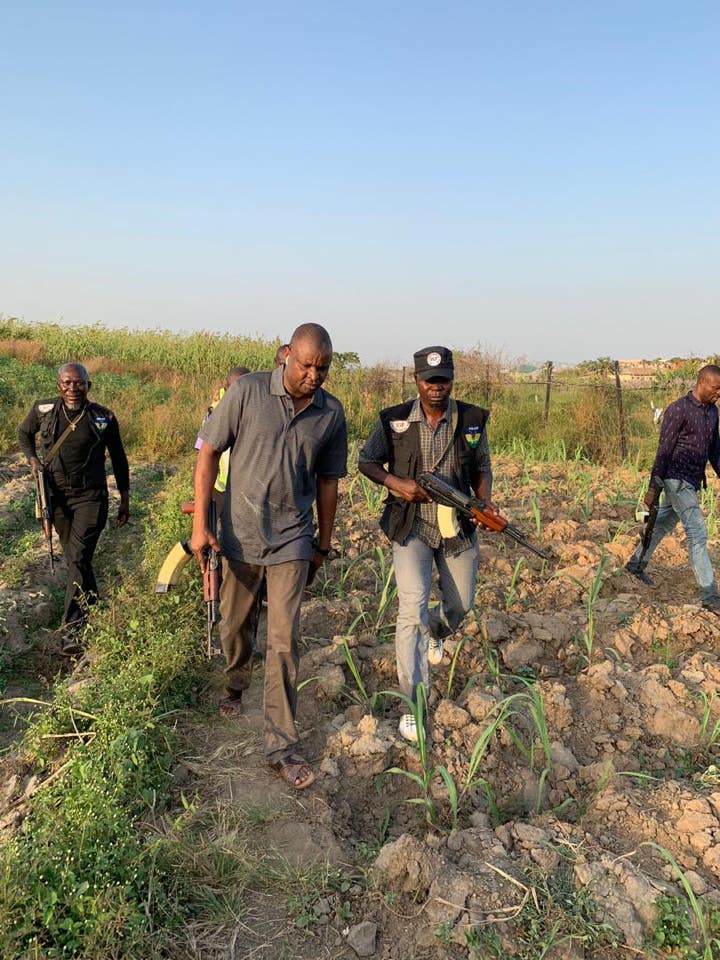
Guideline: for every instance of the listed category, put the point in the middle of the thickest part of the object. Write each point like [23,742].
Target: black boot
[639,572]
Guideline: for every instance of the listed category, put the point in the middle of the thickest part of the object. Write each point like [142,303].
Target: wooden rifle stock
[444,493]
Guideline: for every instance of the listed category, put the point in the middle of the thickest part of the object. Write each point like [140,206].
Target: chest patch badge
[399,426]
[100,423]
[45,407]
[472,436]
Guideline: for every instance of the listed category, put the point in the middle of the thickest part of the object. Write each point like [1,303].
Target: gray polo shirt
[276,457]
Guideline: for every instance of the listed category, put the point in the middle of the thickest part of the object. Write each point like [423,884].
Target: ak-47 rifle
[44,511]
[211,583]
[212,575]
[446,495]
[650,519]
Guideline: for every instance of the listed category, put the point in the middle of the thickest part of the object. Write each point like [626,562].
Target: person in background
[688,440]
[233,374]
[68,436]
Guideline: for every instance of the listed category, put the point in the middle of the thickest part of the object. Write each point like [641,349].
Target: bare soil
[630,690]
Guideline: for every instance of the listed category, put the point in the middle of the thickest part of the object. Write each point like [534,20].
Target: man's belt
[81,486]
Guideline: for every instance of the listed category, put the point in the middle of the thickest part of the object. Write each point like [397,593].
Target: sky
[535,178]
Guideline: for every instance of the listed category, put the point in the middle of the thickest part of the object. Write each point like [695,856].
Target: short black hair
[709,370]
[315,334]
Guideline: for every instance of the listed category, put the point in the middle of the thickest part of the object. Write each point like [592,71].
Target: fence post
[549,370]
[621,413]
[402,387]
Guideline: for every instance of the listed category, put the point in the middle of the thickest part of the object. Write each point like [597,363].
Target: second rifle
[176,560]
[211,584]
[44,511]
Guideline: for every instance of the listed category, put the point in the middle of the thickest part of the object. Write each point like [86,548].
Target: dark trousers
[240,598]
[79,518]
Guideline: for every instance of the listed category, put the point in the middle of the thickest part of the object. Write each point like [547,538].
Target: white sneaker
[436,649]
[408,727]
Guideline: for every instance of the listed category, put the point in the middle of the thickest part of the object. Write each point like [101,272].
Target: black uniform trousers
[79,517]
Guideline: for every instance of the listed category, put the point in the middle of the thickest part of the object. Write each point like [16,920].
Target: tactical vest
[404,446]
[99,418]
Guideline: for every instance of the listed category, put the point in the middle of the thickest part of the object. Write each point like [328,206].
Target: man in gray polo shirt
[288,447]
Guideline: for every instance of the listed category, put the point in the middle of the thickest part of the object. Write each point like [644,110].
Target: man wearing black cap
[435,434]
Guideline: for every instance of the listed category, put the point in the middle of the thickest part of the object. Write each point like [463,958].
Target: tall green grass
[196,354]
[186,370]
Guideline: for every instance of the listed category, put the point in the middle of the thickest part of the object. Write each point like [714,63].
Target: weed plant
[592,594]
[537,516]
[703,918]
[551,917]
[428,771]
[365,493]
[370,701]
[512,592]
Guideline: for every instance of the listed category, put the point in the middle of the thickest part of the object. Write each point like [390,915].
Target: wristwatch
[318,549]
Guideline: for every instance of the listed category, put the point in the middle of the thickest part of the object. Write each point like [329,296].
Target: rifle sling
[55,448]
[451,441]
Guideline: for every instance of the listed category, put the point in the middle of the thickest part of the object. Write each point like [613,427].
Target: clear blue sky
[538,177]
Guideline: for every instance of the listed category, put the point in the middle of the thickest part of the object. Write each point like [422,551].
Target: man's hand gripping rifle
[44,510]
[212,575]
[444,493]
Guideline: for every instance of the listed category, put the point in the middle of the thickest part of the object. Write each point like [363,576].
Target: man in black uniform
[73,436]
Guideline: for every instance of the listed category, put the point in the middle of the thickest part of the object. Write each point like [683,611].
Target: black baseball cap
[434,362]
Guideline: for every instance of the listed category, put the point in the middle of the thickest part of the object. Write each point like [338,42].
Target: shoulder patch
[399,426]
[45,407]
[472,435]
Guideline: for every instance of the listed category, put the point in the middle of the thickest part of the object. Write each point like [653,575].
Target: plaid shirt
[435,445]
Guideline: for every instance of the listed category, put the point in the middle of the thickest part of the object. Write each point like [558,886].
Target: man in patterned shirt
[435,434]
[688,439]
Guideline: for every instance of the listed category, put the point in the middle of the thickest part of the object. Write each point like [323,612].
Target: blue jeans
[681,503]
[415,622]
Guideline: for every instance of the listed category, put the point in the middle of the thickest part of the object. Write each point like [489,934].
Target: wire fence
[601,417]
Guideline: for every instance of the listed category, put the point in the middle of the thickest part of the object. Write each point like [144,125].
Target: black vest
[93,474]
[404,446]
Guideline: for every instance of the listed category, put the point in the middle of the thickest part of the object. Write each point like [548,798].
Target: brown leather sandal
[294,770]
[231,705]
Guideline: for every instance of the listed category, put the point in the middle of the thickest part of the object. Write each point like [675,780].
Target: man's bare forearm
[483,486]
[378,474]
[206,470]
[404,488]
[327,496]
[373,471]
